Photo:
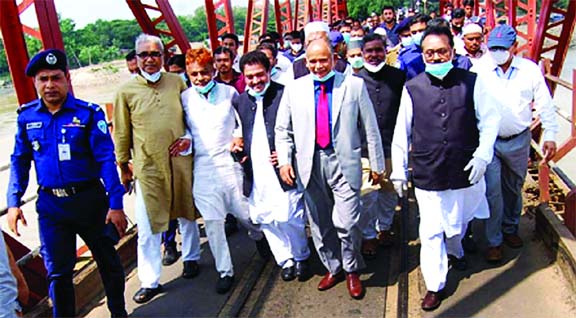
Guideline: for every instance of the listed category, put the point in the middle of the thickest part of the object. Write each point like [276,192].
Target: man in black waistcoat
[277,206]
[451,124]
[384,84]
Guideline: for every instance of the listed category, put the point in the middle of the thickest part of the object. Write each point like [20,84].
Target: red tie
[322,119]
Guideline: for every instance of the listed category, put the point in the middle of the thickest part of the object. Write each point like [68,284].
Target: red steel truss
[256,22]
[283,15]
[303,10]
[219,12]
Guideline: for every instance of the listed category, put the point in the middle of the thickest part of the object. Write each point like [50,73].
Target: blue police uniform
[412,63]
[72,152]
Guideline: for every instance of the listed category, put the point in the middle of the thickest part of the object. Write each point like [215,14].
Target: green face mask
[439,70]
[356,62]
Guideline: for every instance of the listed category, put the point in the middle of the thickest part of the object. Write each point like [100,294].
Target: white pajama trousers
[287,241]
[219,246]
[149,244]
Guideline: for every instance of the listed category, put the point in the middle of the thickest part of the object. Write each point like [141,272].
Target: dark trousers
[169,237]
[60,220]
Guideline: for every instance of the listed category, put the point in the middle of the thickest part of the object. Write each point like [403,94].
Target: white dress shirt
[516,92]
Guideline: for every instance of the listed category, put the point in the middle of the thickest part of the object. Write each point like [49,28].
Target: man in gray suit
[333,108]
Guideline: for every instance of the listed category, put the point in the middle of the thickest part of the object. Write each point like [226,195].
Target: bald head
[319,57]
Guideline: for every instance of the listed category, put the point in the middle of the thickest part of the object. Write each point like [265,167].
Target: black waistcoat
[444,129]
[385,89]
[246,107]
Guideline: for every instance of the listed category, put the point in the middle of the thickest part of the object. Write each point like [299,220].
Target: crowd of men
[317,128]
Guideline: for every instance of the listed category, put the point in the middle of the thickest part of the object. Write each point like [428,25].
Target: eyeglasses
[430,54]
[145,54]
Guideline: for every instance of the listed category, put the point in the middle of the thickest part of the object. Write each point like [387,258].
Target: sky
[86,11]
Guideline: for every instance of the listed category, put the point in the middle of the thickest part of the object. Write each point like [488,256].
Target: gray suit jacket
[351,111]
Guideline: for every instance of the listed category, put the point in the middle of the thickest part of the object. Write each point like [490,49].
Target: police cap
[51,59]
[404,25]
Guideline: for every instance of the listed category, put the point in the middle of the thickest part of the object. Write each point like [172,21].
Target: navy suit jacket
[245,105]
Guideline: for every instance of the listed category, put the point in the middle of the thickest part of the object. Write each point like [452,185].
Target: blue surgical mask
[346,36]
[325,78]
[439,70]
[184,76]
[356,62]
[273,71]
[287,44]
[152,77]
[417,38]
[407,41]
[205,89]
[253,93]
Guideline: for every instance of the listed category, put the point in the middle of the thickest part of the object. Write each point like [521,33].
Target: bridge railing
[547,170]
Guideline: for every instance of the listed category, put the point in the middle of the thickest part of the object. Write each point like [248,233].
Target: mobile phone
[111,232]
[238,155]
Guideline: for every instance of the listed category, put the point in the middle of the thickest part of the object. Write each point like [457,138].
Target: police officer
[68,141]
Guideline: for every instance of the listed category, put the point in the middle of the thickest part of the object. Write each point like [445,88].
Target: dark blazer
[245,105]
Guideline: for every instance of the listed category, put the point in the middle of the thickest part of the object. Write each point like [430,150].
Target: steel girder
[165,24]
[256,23]
[283,16]
[219,12]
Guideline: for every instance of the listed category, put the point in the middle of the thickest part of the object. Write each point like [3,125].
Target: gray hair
[144,38]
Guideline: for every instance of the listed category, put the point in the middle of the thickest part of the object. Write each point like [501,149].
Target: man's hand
[477,169]
[374,177]
[180,145]
[15,214]
[287,174]
[274,159]
[386,185]
[126,176]
[549,150]
[237,144]
[118,218]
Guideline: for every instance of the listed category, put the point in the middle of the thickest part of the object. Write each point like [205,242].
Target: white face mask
[406,41]
[152,77]
[374,69]
[296,47]
[500,56]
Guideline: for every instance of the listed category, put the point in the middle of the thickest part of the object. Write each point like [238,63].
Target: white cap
[381,32]
[471,28]
[316,26]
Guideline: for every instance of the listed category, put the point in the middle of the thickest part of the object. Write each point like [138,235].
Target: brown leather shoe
[369,248]
[329,281]
[513,240]
[385,238]
[494,254]
[432,300]
[354,285]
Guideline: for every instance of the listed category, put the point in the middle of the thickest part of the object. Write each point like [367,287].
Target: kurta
[268,201]
[217,178]
[448,209]
[148,118]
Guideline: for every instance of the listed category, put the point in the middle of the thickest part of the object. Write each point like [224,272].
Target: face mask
[134,75]
[500,56]
[439,70]
[274,71]
[253,93]
[356,62]
[325,78]
[356,38]
[374,69]
[152,77]
[417,38]
[184,76]
[205,89]
[346,37]
[407,41]
[287,44]
[296,47]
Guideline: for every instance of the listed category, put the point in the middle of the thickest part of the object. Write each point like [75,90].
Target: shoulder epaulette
[28,105]
[89,105]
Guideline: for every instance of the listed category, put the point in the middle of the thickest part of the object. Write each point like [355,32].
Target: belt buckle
[61,193]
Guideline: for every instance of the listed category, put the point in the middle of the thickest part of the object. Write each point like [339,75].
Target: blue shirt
[411,61]
[41,134]
[392,33]
[288,54]
[329,85]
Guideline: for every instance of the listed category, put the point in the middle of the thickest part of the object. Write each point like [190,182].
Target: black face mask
[457,28]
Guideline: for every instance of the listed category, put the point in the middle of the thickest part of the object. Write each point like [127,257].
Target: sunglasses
[145,54]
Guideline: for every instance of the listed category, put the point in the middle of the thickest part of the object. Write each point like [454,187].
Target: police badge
[35,145]
[103,126]
[51,59]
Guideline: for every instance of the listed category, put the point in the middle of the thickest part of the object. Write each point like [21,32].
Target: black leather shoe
[171,255]
[469,245]
[190,269]
[224,284]
[459,264]
[288,273]
[144,295]
[230,225]
[302,270]
[263,248]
